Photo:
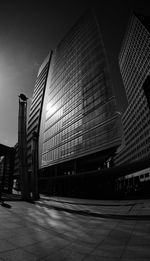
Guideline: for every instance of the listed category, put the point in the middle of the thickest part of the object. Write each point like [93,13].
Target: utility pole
[34,174]
[22,147]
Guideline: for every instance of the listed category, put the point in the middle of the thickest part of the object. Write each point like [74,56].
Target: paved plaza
[59,229]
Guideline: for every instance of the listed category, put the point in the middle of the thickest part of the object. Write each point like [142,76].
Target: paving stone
[109,251]
[137,252]
[41,250]
[5,245]
[23,240]
[17,255]
[65,255]
[100,258]
[80,248]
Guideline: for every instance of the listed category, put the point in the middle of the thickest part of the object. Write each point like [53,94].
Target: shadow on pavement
[3,204]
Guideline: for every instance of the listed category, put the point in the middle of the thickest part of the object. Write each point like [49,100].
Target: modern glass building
[134,62]
[80,126]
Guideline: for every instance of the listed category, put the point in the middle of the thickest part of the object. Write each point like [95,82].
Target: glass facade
[79,112]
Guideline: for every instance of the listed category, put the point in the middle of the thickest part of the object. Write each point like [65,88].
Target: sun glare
[50,109]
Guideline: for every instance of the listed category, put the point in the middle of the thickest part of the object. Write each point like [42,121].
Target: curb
[96,214]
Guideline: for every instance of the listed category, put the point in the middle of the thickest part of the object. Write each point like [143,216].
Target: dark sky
[30,29]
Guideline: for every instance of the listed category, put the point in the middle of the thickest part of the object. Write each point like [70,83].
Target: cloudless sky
[30,29]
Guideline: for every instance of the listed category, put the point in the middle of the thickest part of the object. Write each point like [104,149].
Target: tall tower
[134,62]
[79,127]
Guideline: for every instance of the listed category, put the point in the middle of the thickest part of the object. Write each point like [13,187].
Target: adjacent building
[36,107]
[134,62]
[6,168]
[34,115]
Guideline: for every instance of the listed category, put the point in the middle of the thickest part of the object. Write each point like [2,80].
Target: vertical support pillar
[55,170]
[4,173]
[75,166]
[34,175]
[22,147]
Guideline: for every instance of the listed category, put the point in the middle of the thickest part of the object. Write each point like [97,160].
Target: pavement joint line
[131,208]
[132,229]
[101,242]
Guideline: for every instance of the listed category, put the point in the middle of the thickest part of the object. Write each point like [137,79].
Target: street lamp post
[22,147]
